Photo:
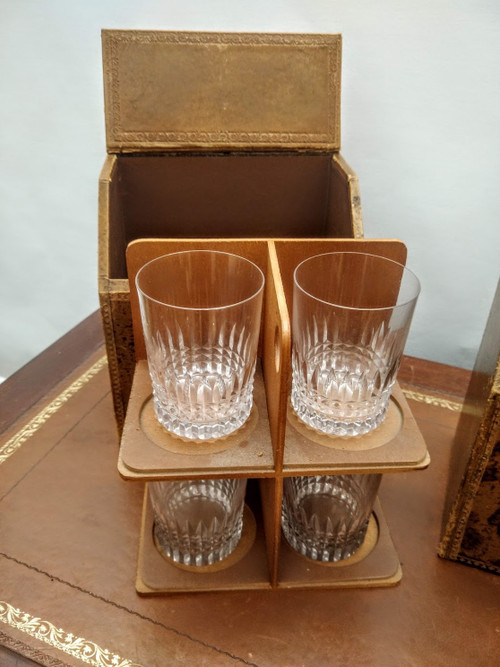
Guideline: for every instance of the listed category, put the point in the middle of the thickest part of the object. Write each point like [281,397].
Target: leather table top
[68,552]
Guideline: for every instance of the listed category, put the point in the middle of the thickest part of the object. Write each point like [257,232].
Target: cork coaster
[244,545]
[176,444]
[383,434]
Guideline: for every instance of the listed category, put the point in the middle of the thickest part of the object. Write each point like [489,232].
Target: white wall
[420,112]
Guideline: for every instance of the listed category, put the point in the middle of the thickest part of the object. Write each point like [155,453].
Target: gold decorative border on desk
[29,429]
[78,647]
[432,400]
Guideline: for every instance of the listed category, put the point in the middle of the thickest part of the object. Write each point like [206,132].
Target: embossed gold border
[432,400]
[82,649]
[78,647]
[29,429]
[115,40]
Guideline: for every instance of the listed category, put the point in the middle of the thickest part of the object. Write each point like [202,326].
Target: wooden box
[215,135]
[471,526]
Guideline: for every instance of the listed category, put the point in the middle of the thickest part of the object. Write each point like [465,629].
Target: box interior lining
[224,195]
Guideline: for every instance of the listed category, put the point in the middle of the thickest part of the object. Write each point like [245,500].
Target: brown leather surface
[69,529]
[32,382]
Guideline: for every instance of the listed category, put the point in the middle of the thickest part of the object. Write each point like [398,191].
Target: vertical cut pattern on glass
[198,522]
[351,317]
[341,388]
[202,392]
[325,517]
[201,312]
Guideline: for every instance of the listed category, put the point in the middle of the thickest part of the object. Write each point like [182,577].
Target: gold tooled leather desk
[68,548]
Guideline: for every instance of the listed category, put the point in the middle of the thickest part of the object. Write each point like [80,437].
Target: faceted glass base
[198,522]
[325,518]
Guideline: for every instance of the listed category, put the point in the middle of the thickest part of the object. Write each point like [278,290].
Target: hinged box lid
[221,91]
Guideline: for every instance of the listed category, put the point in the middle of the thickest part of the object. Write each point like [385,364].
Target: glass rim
[193,252]
[359,308]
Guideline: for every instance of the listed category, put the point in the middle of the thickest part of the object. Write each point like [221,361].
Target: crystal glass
[200,313]
[325,517]
[198,522]
[351,317]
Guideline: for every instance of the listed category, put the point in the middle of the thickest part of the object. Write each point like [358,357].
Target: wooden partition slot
[276,354]
[271,491]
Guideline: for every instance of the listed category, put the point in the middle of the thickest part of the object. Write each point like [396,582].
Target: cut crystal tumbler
[325,518]
[198,522]
[351,317]
[200,313]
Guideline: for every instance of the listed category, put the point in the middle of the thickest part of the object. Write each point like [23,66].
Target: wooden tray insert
[277,445]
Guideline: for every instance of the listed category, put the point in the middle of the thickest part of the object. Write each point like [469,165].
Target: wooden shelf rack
[272,445]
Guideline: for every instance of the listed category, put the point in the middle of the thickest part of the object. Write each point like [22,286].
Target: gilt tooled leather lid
[221,91]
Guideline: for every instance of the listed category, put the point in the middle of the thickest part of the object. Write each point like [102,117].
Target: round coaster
[387,430]
[158,434]
[369,543]
[244,545]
